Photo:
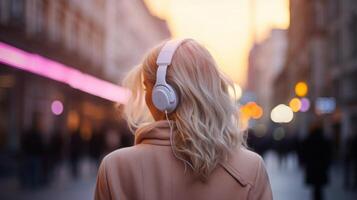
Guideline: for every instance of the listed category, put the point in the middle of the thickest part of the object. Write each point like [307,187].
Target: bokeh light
[301,89]
[257,112]
[281,114]
[325,105]
[73,120]
[295,104]
[251,110]
[305,105]
[57,107]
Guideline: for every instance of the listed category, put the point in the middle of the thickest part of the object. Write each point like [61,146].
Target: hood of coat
[157,133]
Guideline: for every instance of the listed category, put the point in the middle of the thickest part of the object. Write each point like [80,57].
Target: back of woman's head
[206,118]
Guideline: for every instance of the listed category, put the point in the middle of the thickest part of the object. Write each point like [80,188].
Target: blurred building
[322,52]
[266,60]
[131,30]
[97,37]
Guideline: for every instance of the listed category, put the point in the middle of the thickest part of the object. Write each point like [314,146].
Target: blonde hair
[206,119]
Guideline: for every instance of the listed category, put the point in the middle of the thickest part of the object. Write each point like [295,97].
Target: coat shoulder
[124,156]
[133,154]
[246,164]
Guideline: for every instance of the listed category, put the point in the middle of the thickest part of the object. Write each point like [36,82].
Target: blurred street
[286,179]
[62,187]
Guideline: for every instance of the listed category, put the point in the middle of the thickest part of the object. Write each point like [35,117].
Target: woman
[187,143]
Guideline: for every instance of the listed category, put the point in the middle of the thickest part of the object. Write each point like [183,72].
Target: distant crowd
[316,153]
[40,158]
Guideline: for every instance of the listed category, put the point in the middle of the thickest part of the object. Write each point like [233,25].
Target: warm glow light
[73,120]
[42,66]
[281,114]
[257,112]
[301,89]
[251,110]
[86,130]
[224,27]
[57,107]
[7,81]
[244,112]
[295,104]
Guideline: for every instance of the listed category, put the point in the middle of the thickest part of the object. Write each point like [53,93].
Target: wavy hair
[206,118]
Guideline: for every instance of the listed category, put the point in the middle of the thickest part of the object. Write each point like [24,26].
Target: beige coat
[149,171]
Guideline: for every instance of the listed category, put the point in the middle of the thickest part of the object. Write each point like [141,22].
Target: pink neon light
[42,66]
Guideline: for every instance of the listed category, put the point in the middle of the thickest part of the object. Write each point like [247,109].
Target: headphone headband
[164,59]
[167,52]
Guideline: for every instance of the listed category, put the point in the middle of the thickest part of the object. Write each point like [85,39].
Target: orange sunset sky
[223,26]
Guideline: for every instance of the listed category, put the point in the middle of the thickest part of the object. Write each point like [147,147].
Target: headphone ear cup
[164,98]
[173,98]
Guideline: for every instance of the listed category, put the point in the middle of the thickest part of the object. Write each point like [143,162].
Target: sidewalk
[64,187]
[287,181]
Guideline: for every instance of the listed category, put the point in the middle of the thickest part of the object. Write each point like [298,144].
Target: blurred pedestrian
[350,179]
[254,142]
[75,152]
[55,152]
[354,160]
[316,158]
[188,145]
[280,142]
[126,136]
[112,140]
[32,146]
[97,145]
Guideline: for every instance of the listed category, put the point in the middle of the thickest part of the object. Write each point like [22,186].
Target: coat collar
[156,133]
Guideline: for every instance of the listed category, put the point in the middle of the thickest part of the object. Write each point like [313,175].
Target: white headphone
[164,95]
